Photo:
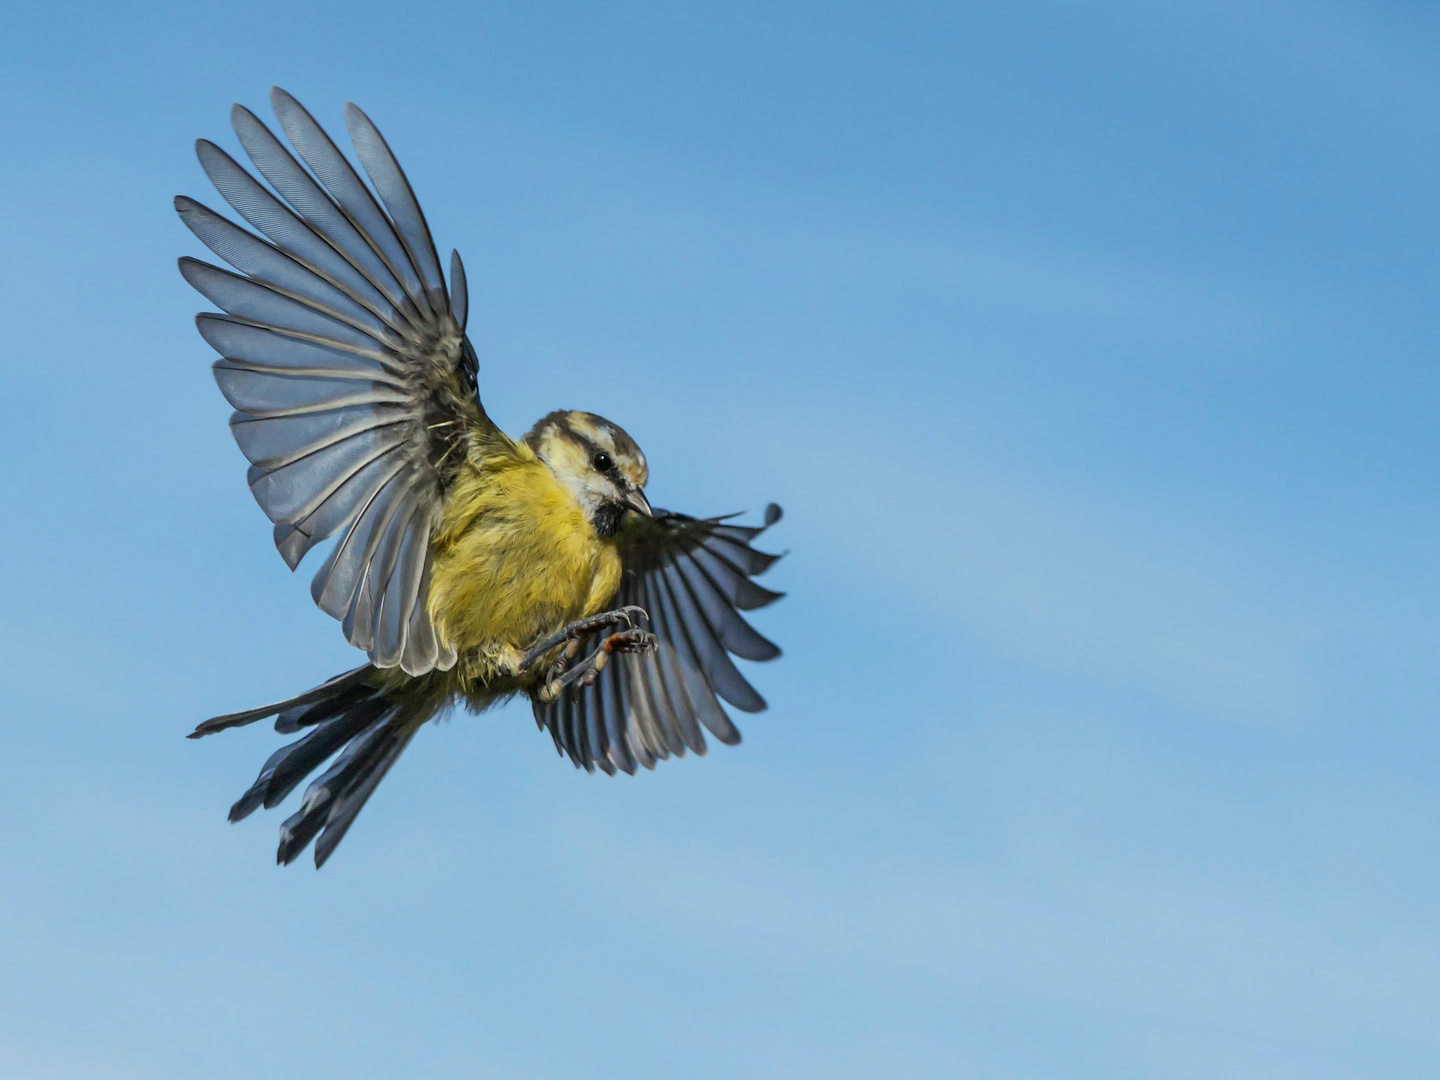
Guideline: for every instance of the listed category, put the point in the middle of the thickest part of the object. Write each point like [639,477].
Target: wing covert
[693,577]
[346,361]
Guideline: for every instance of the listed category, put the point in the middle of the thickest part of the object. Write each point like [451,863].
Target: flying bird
[471,567]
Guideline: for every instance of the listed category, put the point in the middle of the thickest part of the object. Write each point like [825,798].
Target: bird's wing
[693,577]
[347,363]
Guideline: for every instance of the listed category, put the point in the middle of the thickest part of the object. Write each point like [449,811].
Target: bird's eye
[602,461]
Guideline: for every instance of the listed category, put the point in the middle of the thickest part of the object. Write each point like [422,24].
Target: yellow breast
[515,559]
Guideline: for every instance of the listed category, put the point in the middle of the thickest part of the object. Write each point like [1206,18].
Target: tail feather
[332,801]
[368,725]
[346,731]
[310,714]
[324,692]
[306,754]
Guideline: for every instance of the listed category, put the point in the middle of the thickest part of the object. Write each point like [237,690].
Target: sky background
[1091,350]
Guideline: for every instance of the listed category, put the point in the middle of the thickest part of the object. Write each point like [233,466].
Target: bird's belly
[514,575]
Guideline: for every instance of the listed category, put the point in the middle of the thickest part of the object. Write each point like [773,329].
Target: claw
[583,628]
[558,678]
[637,610]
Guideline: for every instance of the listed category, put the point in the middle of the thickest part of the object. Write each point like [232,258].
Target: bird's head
[597,461]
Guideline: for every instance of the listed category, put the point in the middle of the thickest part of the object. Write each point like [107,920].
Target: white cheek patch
[569,462]
[586,495]
[579,486]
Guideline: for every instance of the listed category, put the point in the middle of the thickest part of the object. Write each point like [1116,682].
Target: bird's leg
[585,674]
[581,629]
[631,639]
[566,657]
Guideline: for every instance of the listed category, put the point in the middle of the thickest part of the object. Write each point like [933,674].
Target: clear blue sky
[1092,350]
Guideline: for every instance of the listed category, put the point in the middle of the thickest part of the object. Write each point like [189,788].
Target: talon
[565,672]
[577,632]
[633,640]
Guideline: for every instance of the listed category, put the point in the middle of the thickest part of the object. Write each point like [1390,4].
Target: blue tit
[471,567]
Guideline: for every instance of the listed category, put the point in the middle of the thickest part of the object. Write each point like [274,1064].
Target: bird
[471,567]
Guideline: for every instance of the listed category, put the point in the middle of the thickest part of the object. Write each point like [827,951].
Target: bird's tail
[364,715]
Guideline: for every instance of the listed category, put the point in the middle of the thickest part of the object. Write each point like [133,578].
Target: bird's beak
[635,500]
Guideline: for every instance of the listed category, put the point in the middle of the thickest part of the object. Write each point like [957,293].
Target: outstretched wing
[693,577]
[347,364]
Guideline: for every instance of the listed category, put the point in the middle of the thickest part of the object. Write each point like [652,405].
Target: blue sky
[1091,349]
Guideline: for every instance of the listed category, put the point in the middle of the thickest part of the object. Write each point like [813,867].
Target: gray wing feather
[587,736]
[350,192]
[361,622]
[670,685]
[266,264]
[422,651]
[562,726]
[684,732]
[264,348]
[279,223]
[623,750]
[709,651]
[337,581]
[275,441]
[701,692]
[338,508]
[634,736]
[278,392]
[459,290]
[256,303]
[389,180]
[738,636]
[736,586]
[295,489]
[341,351]
[647,731]
[630,742]
[372,278]
[398,603]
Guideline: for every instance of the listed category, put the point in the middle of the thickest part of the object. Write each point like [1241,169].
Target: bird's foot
[561,674]
[580,630]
